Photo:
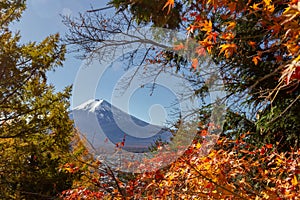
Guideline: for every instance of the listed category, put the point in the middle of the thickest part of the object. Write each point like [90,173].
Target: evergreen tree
[35,129]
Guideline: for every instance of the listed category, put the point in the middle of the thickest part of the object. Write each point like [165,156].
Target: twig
[100,9]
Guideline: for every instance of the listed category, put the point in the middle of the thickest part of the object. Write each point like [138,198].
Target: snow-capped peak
[89,105]
[99,120]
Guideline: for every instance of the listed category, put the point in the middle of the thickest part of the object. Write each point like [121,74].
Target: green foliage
[35,129]
[153,11]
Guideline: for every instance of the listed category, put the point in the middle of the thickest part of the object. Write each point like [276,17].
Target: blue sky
[42,18]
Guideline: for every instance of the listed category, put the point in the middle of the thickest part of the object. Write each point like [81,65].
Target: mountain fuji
[106,126]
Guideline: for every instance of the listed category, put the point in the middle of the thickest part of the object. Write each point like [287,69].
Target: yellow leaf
[271,8]
[228,49]
[287,10]
[279,161]
[207,44]
[231,25]
[255,6]
[297,59]
[206,26]
[267,2]
[295,181]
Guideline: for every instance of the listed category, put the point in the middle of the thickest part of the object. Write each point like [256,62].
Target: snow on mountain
[89,105]
[105,126]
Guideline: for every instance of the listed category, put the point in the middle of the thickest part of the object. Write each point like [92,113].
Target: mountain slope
[105,127]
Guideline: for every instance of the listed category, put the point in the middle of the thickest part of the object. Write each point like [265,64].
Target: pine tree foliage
[35,129]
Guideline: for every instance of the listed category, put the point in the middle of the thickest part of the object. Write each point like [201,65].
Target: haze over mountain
[106,126]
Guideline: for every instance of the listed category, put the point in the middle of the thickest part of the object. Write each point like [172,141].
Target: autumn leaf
[228,49]
[178,47]
[203,133]
[269,146]
[200,51]
[231,25]
[191,29]
[214,3]
[270,8]
[252,44]
[255,59]
[207,44]
[206,26]
[170,5]
[198,145]
[255,6]
[195,63]
[292,48]
[294,181]
[227,36]
[212,36]
[267,2]
[287,74]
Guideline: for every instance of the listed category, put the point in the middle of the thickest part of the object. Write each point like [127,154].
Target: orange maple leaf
[169,4]
[227,36]
[178,47]
[195,63]
[228,49]
[252,44]
[212,36]
[255,6]
[203,133]
[255,59]
[269,146]
[201,51]
[191,28]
